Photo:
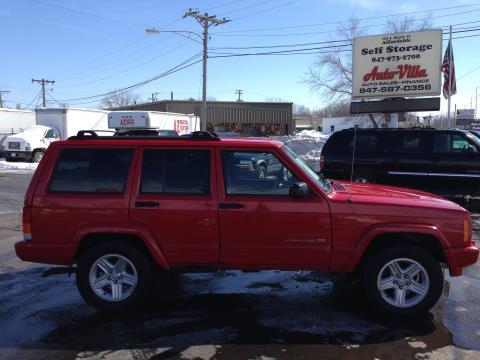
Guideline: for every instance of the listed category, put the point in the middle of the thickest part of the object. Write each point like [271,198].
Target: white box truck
[52,124]
[13,121]
[155,120]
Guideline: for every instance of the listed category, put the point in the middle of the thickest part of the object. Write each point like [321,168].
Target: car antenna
[353,162]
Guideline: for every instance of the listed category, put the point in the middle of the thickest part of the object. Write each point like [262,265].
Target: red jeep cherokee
[119,207]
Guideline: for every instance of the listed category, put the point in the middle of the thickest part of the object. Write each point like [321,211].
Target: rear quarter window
[83,170]
[337,143]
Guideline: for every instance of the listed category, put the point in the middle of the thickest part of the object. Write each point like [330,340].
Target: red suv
[117,208]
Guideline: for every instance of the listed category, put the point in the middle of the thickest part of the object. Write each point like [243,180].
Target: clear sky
[92,47]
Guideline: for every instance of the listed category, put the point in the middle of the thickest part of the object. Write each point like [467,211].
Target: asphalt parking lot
[224,315]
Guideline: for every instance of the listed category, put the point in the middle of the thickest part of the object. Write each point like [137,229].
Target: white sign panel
[397,65]
[467,114]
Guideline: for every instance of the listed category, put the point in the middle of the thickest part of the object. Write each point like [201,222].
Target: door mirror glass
[299,190]
[472,149]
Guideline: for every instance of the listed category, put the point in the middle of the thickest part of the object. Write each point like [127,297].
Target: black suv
[408,157]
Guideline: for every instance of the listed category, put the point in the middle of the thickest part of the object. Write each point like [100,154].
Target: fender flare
[393,228]
[135,230]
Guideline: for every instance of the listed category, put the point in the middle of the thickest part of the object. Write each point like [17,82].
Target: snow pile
[308,144]
[16,166]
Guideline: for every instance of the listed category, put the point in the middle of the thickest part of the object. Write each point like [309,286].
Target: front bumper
[458,258]
[13,154]
[58,254]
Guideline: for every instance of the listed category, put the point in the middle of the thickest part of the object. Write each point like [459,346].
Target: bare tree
[339,108]
[409,24]
[331,74]
[301,110]
[119,98]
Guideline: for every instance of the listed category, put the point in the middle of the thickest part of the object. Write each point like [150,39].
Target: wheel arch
[87,239]
[426,237]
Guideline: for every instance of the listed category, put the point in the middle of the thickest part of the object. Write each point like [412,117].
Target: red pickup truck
[118,208]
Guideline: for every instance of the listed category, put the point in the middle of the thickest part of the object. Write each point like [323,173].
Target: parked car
[413,157]
[113,209]
[255,165]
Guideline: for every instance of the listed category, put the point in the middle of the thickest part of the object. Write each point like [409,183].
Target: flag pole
[449,76]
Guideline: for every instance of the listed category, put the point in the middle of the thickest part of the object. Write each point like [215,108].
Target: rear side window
[91,171]
[338,143]
[176,172]
[365,143]
[410,142]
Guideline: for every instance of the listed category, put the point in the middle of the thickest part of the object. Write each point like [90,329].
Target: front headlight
[28,148]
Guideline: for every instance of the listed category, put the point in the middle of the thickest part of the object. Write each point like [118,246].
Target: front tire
[37,156]
[114,276]
[403,280]
[261,172]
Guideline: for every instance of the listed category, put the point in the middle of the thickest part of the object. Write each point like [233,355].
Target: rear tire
[114,276]
[403,280]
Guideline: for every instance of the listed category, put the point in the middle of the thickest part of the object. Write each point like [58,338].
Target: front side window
[450,143]
[255,173]
[176,172]
[91,171]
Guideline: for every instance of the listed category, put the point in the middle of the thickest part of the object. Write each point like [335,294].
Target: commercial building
[246,118]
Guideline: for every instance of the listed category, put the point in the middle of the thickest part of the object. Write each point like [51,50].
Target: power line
[185,64]
[83,12]
[346,21]
[123,71]
[250,6]
[332,31]
[468,73]
[268,9]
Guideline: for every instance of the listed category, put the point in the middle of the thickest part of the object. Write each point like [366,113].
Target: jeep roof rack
[196,135]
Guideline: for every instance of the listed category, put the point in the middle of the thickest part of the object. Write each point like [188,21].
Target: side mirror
[299,191]
[472,149]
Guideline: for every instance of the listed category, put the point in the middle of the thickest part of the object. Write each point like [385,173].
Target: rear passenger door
[175,198]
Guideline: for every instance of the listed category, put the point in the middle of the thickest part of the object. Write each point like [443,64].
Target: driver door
[260,224]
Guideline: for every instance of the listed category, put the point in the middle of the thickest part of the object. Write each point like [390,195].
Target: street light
[203,40]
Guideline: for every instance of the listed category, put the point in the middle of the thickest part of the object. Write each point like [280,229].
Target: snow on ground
[16,166]
[308,144]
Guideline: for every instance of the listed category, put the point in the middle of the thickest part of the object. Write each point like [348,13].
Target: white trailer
[13,121]
[181,123]
[52,124]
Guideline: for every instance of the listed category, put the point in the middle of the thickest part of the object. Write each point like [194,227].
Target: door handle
[147,204]
[230,206]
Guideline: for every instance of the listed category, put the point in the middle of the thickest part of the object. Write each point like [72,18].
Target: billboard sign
[466,114]
[397,65]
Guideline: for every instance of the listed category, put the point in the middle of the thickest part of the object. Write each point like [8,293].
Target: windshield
[319,179]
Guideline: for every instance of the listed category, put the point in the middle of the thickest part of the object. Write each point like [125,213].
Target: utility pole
[476,102]
[205,21]
[43,82]
[1,93]
[154,97]
[239,93]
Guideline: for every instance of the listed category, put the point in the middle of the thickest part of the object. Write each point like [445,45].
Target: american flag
[446,73]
